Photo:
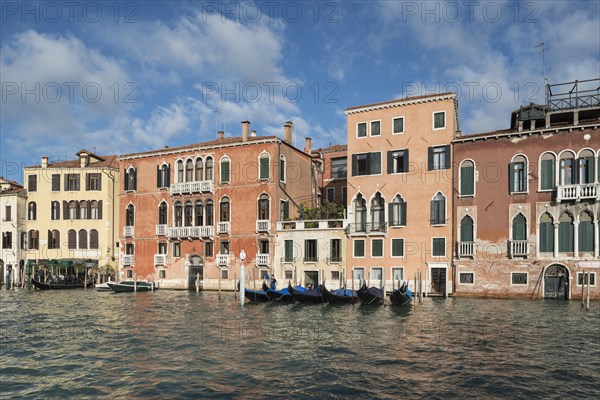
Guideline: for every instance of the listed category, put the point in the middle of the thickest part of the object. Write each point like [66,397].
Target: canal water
[168,344]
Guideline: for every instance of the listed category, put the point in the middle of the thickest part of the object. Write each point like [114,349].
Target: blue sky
[121,77]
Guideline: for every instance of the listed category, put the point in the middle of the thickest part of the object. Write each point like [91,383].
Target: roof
[107,162]
[13,187]
[403,101]
[332,149]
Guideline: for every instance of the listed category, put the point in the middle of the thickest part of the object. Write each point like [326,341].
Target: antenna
[543,51]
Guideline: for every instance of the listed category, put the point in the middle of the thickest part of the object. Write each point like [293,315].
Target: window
[288,275]
[72,182]
[339,168]
[129,248]
[360,213]
[83,209]
[198,170]
[224,247]
[377,248]
[263,166]
[288,250]
[130,179]
[94,239]
[546,234]
[517,178]
[359,273]
[176,249]
[163,176]
[377,274]
[225,170]
[55,210]
[32,211]
[96,209]
[162,214]
[180,169]
[438,157]
[566,233]
[397,247]
[335,250]
[466,229]
[199,213]
[32,183]
[130,215]
[189,170]
[361,129]
[224,210]
[439,120]
[210,213]
[72,239]
[335,275]
[263,246]
[56,182]
[519,227]
[344,195]
[547,168]
[73,209]
[93,181]
[24,238]
[162,274]
[398,274]
[188,214]
[581,280]
[209,169]
[439,247]
[129,273]
[567,168]
[7,213]
[375,128]
[33,240]
[83,239]
[378,213]
[518,278]
[466,278]
[330,195]
[178,214]
[209,249]
[282,169]
[162,248]
[586,233]
[310,250]
[284,207]
[224,273]
[53,239]
[438,209]
[6,240]
[366,164]
[359,248]
[263,207]
[397,161]
[585,167]
[397,211]
[398,125]
[467,178]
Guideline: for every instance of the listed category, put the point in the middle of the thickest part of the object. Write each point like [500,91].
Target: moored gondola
[338,296]
[402,296]
[59,285]
[370,296]
[257,296]
[311,296]
[279,296]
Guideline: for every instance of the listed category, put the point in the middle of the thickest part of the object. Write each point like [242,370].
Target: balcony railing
[367,228]
[192,187]
[160,259]
[334,259]
[288,259]
[465,249]
[127,259]
[311,259]
[128,231]
[263,225]
[578,192]
[302,225]
[223,259]
[161,230]
[191,232]
[262,259]
[519,248]
[224,227]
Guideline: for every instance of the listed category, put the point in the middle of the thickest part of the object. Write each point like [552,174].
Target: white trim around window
[403,126]
[466,273]
[519,284]
[433,120]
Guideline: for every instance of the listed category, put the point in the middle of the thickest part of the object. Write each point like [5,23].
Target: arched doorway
[196,270]
[556,282]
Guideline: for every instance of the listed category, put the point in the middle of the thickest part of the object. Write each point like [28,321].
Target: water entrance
[556,281]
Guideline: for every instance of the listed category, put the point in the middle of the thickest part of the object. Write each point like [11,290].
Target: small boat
[59,285]
[370,296]
[257,296]
[402,296]
[338,296]
[130,286]
[279,296]
[305,295]
[103,287]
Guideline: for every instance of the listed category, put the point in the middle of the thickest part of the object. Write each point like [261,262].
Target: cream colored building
[13,199]
[71,215]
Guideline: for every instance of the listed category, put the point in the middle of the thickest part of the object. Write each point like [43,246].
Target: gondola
[304,295]
[370,296]
[257,296]
[402,296]
[131,286]
[59,286]
[338,296]
[279,296]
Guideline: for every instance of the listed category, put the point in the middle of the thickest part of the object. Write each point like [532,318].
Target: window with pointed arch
[130,215]
[519,227]
[210,213]
[130,179]
[224,210]
[178,214]
[546,234]
[163,216]
[209,169]
[188,214]
[263,166]
[377,212]
[263,207]
[199,174]
[466,229]
[360,213]
[438,209]
[199,213]
[32,211]
[397,211]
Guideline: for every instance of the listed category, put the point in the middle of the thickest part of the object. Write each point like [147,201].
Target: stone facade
[13,203]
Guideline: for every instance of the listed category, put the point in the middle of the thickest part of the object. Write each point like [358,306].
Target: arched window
[566,233]
[199,169]
[466,229]
[178,214]
[73,210]
[438,209]
[517,178]
[189,171]
[467,178]
[55,210]
[546,233]
[567,168]
[82,239]
[94,210]
[94,239]
[224,210]
[34,239]
[32,211]
[163,176]
[225,173]
[547,168]
[130,179]
[83,209]
[586,232]
[585,167]
[162,214]
[209,168]
[263,207]
[263,166]
[360,213]
[282,169]
[210,213]
[130,215]
[377,213]
[397,211]
[180,171]
[188,214]
[53,239]
[72,239]
[519,227]
[199,213]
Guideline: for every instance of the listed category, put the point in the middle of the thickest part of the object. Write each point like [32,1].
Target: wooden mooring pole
[197,282]
[587,303]
[583,289]
[235,286]
[219,283]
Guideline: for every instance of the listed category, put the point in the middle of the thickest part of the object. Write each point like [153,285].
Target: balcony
[518,248]
[369,228]
[317,224]
[128,231]
[579,192]
[160,259]
[334,260]
[262,259]
[161,230]
[191,232]
[192,187]
[287,260]
[224,227]
[465,249]
[223,259]
[263,225]
[311,259]
[128,259]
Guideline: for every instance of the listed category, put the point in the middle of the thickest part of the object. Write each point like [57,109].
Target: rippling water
[89,344]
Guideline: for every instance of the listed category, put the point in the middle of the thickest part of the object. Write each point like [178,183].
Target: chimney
[220,135]
[245,130]
[44,162]
[532,126]
[287,132]
[253,133]
[83,160]
[307,145]
[520,129]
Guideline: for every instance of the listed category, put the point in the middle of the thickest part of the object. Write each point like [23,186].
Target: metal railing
[310,259]
[573,95]
[367,227]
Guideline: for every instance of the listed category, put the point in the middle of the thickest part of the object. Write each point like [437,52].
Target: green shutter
[375,163]
[405,161]
[446,156]
[519,228]
[511,177]
[359,248]
[289,249]
[390,162]
[282,170]
[586,236]
[547,175]
[466,230]
[430,158]
[264,168]
[398,247]
[354,164]
[467,181]
[589,170]
[286,210]
[546,237]
[565,237]
[403,214]
[432,216]
[225,171]
[438,246]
